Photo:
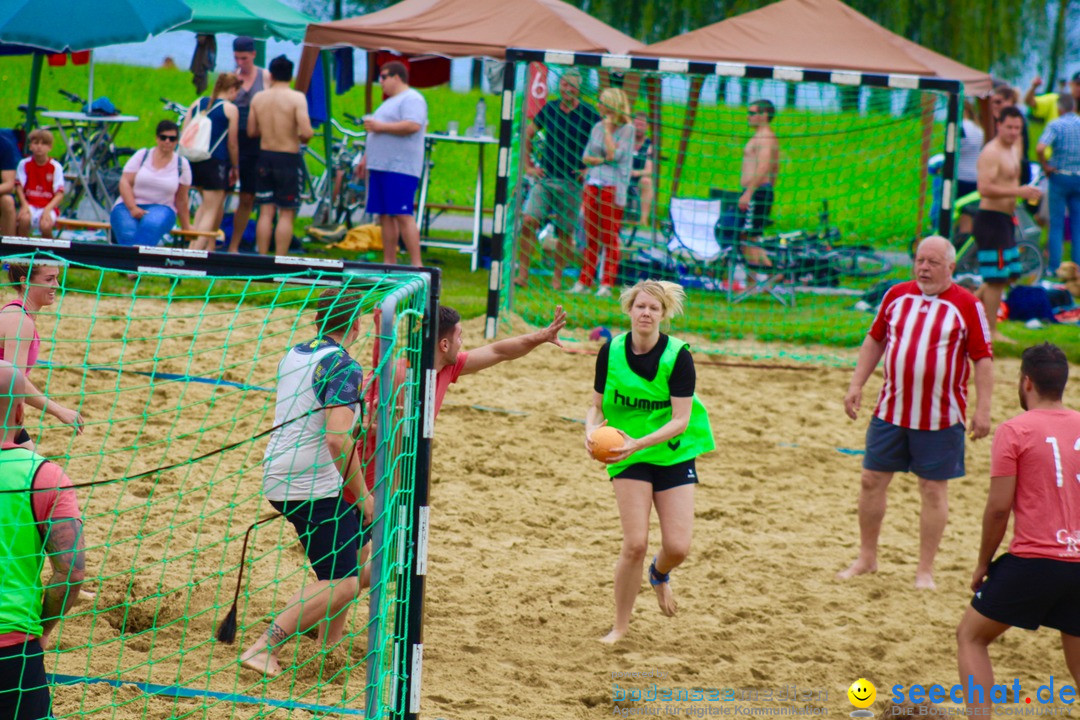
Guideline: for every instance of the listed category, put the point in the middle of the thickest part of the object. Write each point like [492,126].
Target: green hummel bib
[21,554]
[638,407]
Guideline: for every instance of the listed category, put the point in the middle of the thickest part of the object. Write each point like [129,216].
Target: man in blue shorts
[394,160]
[309,457]
[998,175]
[1034,467]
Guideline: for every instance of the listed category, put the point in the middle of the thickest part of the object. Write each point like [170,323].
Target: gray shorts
[930,454]
[557,200]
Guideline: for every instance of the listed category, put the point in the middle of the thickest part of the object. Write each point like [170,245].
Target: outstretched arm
[515,347]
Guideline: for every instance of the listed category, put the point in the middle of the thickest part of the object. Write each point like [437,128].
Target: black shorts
[279,179]
[662,477]
[1029,592]
[995,236]
[753,221]
[24,689]
[22,437]
[330,533]
[249,173]
[210,174]
[930,454]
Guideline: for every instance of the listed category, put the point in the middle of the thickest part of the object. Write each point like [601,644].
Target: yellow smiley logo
[862,693]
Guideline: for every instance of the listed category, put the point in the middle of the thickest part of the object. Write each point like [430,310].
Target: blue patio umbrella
[71,25]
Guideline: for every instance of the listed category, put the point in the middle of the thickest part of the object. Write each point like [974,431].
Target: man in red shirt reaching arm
[927,330]
[1035,475]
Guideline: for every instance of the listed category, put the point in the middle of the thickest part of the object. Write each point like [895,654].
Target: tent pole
[328,129]
[90,90]
[35,86]
[696,84]
[926,122]
[367,86]
[652,95]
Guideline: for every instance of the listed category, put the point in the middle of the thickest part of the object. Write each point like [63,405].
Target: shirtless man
[254,80]
[757,177]
[998,173]
[279,116]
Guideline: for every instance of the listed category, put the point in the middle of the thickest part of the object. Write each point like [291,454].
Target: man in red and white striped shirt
[927,330]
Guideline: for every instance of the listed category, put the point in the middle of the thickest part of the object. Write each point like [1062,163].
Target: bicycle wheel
[967,261]
[860,261]
[1031,262]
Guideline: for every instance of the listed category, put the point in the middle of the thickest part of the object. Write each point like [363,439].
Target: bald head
[935,262]
[938,244]
[11,398]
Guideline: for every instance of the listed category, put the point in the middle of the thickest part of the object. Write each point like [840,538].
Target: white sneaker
[604,291]
[579,289]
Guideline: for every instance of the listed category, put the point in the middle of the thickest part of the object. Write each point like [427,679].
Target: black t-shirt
[683,376]
[643,154]
[565,138]
[9,152]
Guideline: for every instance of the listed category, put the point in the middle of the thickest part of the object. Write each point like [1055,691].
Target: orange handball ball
[605,440]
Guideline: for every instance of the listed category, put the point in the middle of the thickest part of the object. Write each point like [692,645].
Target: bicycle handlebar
[346,131]
[353,119]
[72,97]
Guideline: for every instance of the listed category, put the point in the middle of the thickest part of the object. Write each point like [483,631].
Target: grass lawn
[866,166]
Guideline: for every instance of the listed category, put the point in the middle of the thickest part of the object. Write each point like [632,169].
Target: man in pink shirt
[49,526]
[451,362]
[1035,475]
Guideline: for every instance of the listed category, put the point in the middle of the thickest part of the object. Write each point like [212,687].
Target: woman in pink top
[19,341]
[153,192]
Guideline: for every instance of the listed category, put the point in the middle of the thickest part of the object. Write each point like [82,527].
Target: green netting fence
[829,212]
[172,359]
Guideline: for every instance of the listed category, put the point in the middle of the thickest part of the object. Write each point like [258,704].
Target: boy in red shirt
[39,183]
[1035,476]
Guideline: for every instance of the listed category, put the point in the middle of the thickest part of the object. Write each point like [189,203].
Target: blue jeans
[1064,193]
[155,225]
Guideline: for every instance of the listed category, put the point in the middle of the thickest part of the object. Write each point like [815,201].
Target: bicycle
[335,198]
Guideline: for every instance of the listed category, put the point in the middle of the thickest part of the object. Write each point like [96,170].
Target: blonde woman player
[609,156]
[644,387]
[19,342]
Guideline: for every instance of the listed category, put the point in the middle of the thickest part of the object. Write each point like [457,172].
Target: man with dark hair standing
[254,80]
[394,160]
[556,194]
[760,164]
[9,162]
[309,459]
[1034,473]
[1062,138]
[999,183]
[279,116]
[39,519]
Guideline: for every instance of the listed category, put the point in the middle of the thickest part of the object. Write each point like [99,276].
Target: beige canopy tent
[815,34]
[823,34]
[466,28]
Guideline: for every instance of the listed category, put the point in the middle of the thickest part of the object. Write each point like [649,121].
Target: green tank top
[639,407]
[21,555]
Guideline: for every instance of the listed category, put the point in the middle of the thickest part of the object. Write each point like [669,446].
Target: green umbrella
[69,25]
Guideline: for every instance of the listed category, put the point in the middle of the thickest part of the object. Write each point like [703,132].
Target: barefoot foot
[999,338]
[925,581]
[613,637]
[261,661]
[666,599]
[859,567]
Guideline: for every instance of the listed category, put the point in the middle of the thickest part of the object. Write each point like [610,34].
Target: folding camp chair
[692,230]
